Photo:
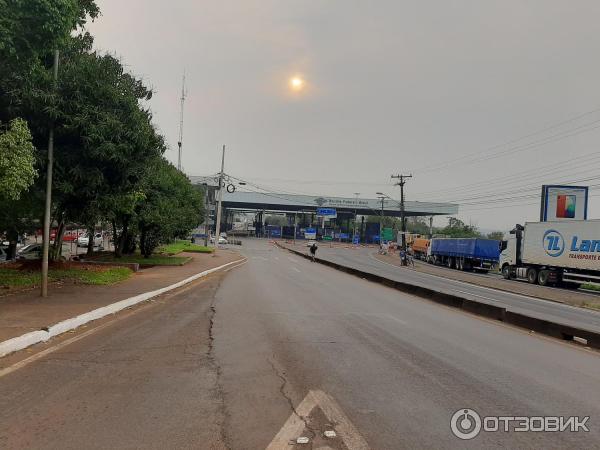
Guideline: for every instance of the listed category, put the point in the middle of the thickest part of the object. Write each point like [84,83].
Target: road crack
[219,390]
[282,388]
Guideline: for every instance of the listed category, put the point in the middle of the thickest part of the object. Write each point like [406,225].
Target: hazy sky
[442,89]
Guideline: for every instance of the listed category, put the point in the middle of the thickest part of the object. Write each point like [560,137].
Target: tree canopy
[108,160]
[17,159]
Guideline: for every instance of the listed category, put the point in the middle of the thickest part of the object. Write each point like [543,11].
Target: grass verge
[591,287]
[86,275]
[183,246]
[154,260]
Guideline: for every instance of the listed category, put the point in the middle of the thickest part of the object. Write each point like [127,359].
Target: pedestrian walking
[313,251]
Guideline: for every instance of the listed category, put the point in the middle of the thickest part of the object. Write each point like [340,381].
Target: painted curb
[35,337]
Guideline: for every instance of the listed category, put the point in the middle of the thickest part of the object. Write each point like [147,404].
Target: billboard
[563,203]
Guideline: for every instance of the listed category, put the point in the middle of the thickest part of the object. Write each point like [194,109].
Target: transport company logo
[554,243]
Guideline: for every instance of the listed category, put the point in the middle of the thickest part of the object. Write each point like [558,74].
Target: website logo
[554,243]
[465,424]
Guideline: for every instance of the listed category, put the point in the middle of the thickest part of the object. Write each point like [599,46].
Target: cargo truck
[419,247]
[565,253]
[464,253]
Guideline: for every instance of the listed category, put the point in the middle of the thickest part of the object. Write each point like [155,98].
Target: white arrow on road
[295,425]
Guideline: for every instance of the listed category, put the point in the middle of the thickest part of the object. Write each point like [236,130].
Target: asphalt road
[224,364]
[363,259]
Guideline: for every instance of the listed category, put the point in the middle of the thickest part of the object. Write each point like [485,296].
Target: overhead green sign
[388,234]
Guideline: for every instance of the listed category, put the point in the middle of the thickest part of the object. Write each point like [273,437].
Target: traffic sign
[310,233]
[356,239]
[327,212]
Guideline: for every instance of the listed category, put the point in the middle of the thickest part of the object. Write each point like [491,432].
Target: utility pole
[180,141]
[206,213]
[48,208]
[430,227]
[382,198]
[295,226]
[220,201]
[356,207]
[401,182]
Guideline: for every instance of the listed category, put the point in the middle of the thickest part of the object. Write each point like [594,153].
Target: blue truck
[464,253]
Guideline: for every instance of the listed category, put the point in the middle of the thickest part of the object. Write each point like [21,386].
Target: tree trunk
[143,241]
[122,239]
[56,249]
[12,236]
[115,238]
[90,246]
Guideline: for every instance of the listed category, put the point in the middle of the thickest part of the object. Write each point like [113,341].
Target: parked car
[222,240]
[3,254]
[31,251]
[310,243]
[83,240]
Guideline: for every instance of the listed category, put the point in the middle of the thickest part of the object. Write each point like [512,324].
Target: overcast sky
[442,89]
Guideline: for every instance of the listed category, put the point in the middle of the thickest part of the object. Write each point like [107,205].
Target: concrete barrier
[554,329]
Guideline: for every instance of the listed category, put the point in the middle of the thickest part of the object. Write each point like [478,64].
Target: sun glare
[296,83]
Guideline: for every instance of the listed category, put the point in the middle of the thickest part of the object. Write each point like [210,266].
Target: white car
[310,243]
[31,251]
[82,241]
[222,240]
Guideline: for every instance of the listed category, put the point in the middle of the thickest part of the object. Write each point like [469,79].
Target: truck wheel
[543,277]
[506,271]
[450,263]
[532,275]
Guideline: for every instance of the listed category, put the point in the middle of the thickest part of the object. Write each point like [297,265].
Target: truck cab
[508,256]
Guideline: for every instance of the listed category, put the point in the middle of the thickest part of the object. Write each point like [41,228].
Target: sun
[296,83]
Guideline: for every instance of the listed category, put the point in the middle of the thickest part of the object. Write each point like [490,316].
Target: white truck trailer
[563,253]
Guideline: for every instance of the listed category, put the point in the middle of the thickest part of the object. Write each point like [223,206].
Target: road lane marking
[292,259]
[296,269]
[295,424]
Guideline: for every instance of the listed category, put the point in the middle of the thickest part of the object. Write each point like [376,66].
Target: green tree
[171,206]
[17,159]
[457,228]
[417,225]
[104,140]
[497,235]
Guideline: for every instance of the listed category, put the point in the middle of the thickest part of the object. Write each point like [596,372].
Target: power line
[543,141]
[559,166]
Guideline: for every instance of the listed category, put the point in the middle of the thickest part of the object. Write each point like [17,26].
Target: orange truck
[420,247]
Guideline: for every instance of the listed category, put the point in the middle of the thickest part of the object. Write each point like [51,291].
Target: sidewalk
[27,311]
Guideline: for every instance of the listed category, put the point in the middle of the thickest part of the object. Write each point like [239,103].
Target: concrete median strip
[35,337]
[553,329]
